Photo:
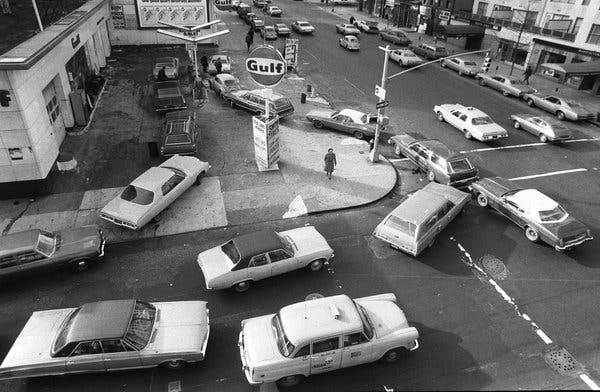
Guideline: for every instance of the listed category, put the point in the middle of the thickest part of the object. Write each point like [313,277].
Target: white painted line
[353,85]
[548,174]
[394,160]
[295,78]
[543,336]
[527,145]
[589,382]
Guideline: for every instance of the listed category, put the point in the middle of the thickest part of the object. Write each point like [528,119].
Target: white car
[405,57]
[274,10]
[462,66]
[225,64]
[321,335]
[350,42]
[282,29]
[368,26]
[153,191]
[346,29]
[262,254]
[303,27]
[472,122]
[225,83]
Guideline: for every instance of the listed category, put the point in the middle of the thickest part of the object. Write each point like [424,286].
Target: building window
[576,25]
[594,36]
[482,8]
[523,16]
[502,12]
[53,109]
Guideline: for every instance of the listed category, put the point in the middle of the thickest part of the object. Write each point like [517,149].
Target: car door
[86,357]
[515,212]
[119,356]
[258,267]
[422,156]
[548,103]
[170,190]
[338,122]
[281,262]
[356,349]
[453,118]
[497,82]
[427,232]
[326,355]
[535,126]
[453,64]
[412,153]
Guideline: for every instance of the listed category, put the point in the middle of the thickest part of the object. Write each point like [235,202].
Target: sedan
[257,24]
[303,27]
[254,102]
[249,16]
[369,27]
[268,32]
[462,66]
[346,29]
[170,64]
[350,121]
[349,42]
[224,83]
[262,254]
[546,128]
[235,4]
[225,64]
[282,29]
[395,37]
[405,57]
[274,10]
[508,86]
[154,191]
[561,107]
[472,122]
[168,97]
[107,336]
[541,217]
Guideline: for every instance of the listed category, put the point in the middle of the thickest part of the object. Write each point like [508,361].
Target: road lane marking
[527,145]
[590,383]
[549,174]
[353,85]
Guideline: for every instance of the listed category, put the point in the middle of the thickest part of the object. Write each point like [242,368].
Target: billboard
[179,12]
[266,142]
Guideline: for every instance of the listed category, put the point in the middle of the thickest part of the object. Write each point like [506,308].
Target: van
[413,225]
[430,52]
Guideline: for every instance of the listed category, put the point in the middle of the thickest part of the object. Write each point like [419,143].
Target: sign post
[266,142]
[291,53]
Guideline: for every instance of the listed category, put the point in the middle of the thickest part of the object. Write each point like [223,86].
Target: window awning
[461,30]
[572,69]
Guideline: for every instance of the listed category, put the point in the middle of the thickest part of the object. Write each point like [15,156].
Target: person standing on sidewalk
[330,162]
[218,65]
[352,20]
[527,74]
[204,62]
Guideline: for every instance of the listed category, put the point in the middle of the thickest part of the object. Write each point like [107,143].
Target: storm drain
[493,266]
[563,362]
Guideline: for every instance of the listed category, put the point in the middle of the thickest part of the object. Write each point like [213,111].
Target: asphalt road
[511,327]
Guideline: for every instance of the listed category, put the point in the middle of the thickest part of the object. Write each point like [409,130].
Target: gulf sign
[223,5]
[266,65]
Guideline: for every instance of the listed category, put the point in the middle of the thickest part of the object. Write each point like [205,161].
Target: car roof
[101,320]
[164,60]
[439,148]
[470,110]
[351,38]
[219,56]
[309,320]
[533,200]
[18,242]
[153,178]
[257,242]
[355,115]
[226,76]
[419,206]
[269,95]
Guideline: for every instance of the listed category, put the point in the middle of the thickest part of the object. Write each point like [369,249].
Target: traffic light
[487,61]
[4,98]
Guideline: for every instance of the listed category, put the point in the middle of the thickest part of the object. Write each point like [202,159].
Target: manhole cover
[562,361]
[493,266]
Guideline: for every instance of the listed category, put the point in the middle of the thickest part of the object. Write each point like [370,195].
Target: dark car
[254,102]
[32,249]
[430,52]
[249,17]
[243,9]
[395,37]
[541,217]
[168,97]
[441,164]
[257,24]
[179,134]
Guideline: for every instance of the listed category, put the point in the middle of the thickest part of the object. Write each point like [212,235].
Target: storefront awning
[461,30]
[572,69]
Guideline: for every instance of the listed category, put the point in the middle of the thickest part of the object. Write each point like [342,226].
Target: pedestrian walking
[371,144]
[249,40]
[352,20]
[527,74]
[162,75]
[330,162]
[204,62]
[218,66]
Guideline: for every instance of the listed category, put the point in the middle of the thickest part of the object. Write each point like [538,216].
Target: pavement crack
[16,218]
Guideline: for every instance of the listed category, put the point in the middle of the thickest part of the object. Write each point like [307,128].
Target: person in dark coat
[352,20]
[330,162]
[249,40]
[218,66]
[162,75]
[204,62]
[527,74]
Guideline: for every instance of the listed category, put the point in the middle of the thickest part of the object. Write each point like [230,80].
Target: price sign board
[291,52]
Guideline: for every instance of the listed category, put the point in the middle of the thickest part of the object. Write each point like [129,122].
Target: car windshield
[61,338]
[137,195]
[470,63]
[288,243]
[230,82]
[555,214]
[366,321]
[166,65]
[401,225]
[46,243]
[303,24]
[231,251]
[141,325]
[286,348]
[181,138]
[459,165]
[482,120]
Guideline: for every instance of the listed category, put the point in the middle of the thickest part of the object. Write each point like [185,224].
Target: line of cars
[270,32]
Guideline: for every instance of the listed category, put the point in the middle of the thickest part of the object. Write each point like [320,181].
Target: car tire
[290,381]
[440,116]
[199,177]
[316,265]
[468,135]
[560,115]
[79,265]
[543,138]
[481,82]
[175,364]
[391,356]
[516,124]
[359,135]
[430,176]
[443,64]
[532,234]
[482,200]
[241,287]
[530,102]
[318,124]
[460,73]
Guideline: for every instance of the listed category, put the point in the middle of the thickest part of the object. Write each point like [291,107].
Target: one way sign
[382,104]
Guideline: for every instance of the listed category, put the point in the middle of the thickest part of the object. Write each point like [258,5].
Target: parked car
[541,217]
[170,64]
[243,9]
[356,123]
[506,85]
[547,129]
[36,249]
[346,29]
[405,57]
[274,10]
[462,66]
[225,64]
[430,52]
[254,101]
[282,29]
[369,27]
[395,37]
[224,83]
[235,4]
[259,3]
[321,335]
[413,225]
[179,135]
[472,122]
[153,191]
[168,97]
[249,17]
[303,27]
[561,107]
[441,164]
[257,24]
[268,32]
[240,262]
[349,42]
[107,336]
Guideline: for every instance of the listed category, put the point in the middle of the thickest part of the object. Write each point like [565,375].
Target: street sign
[382,104]
[379,92]
[223,5]
[291,52]
[266,65]
[444,15]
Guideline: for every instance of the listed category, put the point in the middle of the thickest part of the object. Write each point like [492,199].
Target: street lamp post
[374,157]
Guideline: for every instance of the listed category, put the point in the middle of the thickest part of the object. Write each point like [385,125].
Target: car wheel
[440,116]
[443,64]
[359,135]
[560,115]
[174,364]
[242,286]
[516,124]
[530,102]
[460,73]
[81,264]
[316,265]
[467,135]
[199,178]
[391,356]
[532,234]
[543,138]
[397,150]
[505,93]
[482,200]
[290,381]
[481,82]
[430,176]
[318,124]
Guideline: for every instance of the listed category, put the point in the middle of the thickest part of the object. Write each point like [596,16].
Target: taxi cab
[321,335]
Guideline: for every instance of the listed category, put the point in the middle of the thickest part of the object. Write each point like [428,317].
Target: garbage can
[303,98]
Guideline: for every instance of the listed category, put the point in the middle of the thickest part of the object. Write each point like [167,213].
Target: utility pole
[374,156]
[37,15]
[516,46]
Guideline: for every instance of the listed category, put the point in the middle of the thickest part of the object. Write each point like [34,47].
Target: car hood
[80,239]
[307,240]
[259,341]
[568,228]
[125,210]
[34,344]
[320,113]
[182,326]
[214,264]
[497,186]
